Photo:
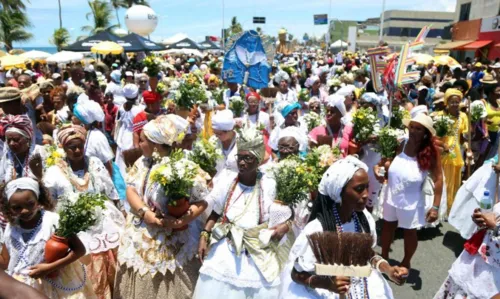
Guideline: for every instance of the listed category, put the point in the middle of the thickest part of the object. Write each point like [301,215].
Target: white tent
[183,52]
[173,39]
[65,57]
[339,44]
[35,55]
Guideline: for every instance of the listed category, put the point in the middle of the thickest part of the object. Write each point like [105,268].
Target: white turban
[223,120]
[338,175]
[418,110]
[88,111]
[164,130]
[337,101]
[130,91]
[347,90]
[311,80]
[297,134]
[281,76]
[203,67]
[25,183]
[372,97]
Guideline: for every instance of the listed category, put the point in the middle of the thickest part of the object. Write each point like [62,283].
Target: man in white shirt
[114,87]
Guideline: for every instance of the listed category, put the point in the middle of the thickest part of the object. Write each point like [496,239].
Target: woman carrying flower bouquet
[76,173]
[235,265]
[28,207]
[452,160]
[164,265]
[253,117]
[336,132]
[340,207]
[415,170]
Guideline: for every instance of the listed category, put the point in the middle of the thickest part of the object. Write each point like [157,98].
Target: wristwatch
[142,211]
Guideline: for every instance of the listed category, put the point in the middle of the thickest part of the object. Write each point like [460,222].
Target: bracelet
[435,208]
[205,234]
[376,256]
[377,266]
[310,280]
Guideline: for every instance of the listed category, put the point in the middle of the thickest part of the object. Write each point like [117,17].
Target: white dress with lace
[150,249]
[106,235]
[303,260]
[7,171]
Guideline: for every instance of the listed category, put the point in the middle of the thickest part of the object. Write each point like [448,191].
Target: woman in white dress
[285,94]
[340,207]
[158,261]
[253,117]
[78,173]
[235,262]
[476,272]
[223,127]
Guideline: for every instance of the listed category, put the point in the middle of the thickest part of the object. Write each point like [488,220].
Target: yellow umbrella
[2,53]
[423,59]
[11,61]
[107,48]
[445,60]
[16,51]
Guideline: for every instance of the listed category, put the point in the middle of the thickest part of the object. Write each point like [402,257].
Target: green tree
[138,2]
[117,4]
[235,26]
[100,15]
[13,24]
[60,38]
[259,30]
[12,4]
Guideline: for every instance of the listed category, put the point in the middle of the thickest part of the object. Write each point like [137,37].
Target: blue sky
[198,18]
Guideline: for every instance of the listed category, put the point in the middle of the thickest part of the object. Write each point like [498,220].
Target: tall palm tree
[12,27]
[13,4]
[138,2]
[60,38]
[235,26]
[101,15]
[60,14]
[117,4]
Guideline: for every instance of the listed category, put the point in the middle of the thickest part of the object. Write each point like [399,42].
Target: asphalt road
[437,250]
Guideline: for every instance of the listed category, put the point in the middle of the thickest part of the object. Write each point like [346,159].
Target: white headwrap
[337,101]
[88,111]
[417,110]
[297,134]
[223,120]
[347,90]
[164,130]
[25,183]
[281,76]
[310,81]
[338,175]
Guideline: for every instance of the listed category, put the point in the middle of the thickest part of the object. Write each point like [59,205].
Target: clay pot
[177,210]
[153,83]
[353,148]
[55,249]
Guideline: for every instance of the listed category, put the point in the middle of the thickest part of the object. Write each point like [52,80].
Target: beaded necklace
[230,195]
[23,165]
[360,285]
[21,248]
[69,289]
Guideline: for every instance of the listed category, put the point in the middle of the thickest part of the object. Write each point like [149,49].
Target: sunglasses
[245,158]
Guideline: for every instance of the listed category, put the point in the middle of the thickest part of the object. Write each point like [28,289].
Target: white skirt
[210,288]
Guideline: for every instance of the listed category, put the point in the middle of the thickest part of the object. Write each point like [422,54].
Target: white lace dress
[224,274]
[302,259]
[475,276]
[27,247]
[7,171]
[107,234]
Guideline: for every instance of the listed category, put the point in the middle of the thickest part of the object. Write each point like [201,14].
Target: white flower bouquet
[205,153]
[443,125]
[237,105]
[312,120]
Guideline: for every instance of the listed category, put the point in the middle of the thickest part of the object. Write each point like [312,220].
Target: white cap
[129,74]
[130,91]
[223,120]
[56,76]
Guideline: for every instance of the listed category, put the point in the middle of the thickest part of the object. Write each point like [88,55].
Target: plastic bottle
[485,202]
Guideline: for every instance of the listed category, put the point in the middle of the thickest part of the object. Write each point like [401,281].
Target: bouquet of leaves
[290,70]
[347,78]
[78,212]
[153,64]
[191,92]
[304,95]
[443,125]
[205,153]
[387,142]
[364,121]
[292,184]
[334,82]
[397,117]
[54,154]
[477,112]
[339,70]
[176,176]
[318,161]
[218,95]
[312,120]
[237,105]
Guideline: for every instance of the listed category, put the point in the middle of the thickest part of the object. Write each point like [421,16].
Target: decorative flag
[378,65]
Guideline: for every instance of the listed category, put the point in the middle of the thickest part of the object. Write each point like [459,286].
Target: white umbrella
[65,57]
[339,44]
[35,55]
[184,52]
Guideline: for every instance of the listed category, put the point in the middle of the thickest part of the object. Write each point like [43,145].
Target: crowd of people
[115,127]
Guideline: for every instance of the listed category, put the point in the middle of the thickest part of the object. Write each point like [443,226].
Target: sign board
[490,24]
[321,19]
[259,20]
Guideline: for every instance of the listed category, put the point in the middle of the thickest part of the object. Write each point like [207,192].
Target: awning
[497,45]
[452,45]
[476,45]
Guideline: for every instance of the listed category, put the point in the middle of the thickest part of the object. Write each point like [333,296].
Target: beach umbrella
[65,57]
[35,55]
[423,59]
[2,53]
[16,51]
[107,47]
[11,61]
[445,60]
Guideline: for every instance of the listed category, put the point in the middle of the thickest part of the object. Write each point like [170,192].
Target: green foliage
[153,64]
[317,162]
[387,142]
[79,212]
[12,27]
[237,105]
[205,153]
[100,14]
[60,38]
[364,121]
[292,181]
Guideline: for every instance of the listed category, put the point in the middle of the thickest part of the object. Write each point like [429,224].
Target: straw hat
[8,94]
[488,79]
[422,119]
